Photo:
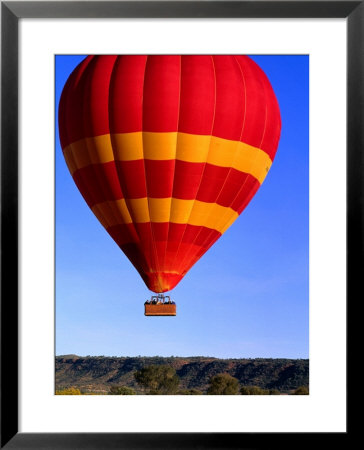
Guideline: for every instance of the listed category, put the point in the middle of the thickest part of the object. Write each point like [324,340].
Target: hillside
[99,373]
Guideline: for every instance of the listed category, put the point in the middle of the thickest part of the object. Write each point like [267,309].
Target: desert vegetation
[180,376]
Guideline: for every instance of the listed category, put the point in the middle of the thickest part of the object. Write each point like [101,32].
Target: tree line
[163,380]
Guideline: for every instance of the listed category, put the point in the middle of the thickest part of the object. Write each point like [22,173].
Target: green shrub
[189,392]
[302,390]
[223,384]
[253,390]
[274,392]
[121,390]
[68,391]
[158,380]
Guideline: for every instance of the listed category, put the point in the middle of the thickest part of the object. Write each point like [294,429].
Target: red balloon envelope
[167,151]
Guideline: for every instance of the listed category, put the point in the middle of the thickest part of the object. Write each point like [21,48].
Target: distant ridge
[99,373]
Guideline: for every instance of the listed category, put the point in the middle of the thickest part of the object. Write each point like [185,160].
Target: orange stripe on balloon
[88,151]
[168,146]
[164,210]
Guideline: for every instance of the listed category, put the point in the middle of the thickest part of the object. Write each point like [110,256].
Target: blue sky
[247,297]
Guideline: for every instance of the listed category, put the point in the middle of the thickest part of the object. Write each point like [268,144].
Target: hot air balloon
[167,151]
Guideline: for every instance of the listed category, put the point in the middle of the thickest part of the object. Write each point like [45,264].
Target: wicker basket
[160,309]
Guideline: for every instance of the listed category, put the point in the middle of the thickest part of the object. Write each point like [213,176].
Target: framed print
[67,290]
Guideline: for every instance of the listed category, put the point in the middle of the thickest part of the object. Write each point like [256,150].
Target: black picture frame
[11,12]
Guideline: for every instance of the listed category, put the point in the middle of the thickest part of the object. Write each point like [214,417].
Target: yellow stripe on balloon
[166,146]
[160,210]
[127,146]
[240,156]
[159,146]
[88,151]
[181,210]
[112,212]
[212,215]
[193,147]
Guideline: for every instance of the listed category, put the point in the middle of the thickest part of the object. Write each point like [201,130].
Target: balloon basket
[160,306]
